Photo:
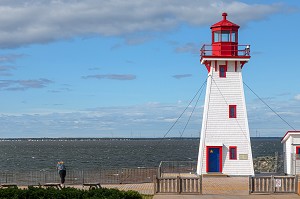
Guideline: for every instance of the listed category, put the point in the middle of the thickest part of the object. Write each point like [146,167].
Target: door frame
[220,157]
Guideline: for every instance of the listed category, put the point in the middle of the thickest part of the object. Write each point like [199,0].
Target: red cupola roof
[224,23]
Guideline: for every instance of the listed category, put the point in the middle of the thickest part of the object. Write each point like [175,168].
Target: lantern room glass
[216,36]
[233,36]
[225,36]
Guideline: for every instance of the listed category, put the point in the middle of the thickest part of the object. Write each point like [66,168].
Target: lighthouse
[225,146]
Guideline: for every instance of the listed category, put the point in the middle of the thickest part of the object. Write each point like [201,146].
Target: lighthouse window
[222,72]
[233,37]
[226,36]
[232,153]
[232,111]
[216,36]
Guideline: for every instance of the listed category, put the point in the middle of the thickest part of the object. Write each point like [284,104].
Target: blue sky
[117,68]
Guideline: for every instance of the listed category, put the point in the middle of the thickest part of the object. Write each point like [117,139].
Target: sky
[114,68]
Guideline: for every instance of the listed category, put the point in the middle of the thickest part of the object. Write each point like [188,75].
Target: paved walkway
[148,189]
[225,186]
[144,188]
[277,196]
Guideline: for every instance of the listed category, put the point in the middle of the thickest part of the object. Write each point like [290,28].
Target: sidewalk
[144,188]
[275,196]
[147,189]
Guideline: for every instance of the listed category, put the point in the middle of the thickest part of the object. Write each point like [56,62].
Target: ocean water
[116,153]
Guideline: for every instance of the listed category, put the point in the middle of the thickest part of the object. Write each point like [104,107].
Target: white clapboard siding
[217,127]
[289,156]
[290,141]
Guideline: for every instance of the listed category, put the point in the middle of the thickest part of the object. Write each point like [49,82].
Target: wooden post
[250,184]
[296,184]
[178,185]
[82,174]
[200,184]
[276,162]
[272,184]
[295,163]
[5,177]
[155,184]
[45,177]
[159,172]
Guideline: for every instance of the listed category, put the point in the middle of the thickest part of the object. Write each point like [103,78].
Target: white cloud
[10,57]
[145,119]
[297,97]
[268,123]
[188,47]
[170,120]
[182,76]
[21,85]
[111,76]
[98,122]
[40,21]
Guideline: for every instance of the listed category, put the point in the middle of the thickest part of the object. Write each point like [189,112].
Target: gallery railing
[225,49]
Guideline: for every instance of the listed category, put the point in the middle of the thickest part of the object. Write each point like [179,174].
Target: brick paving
[225,185]
[143,188]
[148,189]
[279,196]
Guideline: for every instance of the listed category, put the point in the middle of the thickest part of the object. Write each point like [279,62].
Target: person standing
[61,168]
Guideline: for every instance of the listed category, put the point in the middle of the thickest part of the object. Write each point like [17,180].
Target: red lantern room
[224,42]
[224,38]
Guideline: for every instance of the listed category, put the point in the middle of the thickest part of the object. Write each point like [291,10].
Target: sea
[98,153]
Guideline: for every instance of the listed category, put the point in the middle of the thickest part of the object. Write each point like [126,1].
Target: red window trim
[235,66]
[220,160]
[225,70]
[235,153]
[234,113]
[216,65]
[297,153]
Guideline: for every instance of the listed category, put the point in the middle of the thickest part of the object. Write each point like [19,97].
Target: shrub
[67,193]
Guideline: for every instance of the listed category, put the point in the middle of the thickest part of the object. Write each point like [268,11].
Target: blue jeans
[62,175]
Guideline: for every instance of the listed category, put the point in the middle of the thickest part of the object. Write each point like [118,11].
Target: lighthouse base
[221,160]
[225,185]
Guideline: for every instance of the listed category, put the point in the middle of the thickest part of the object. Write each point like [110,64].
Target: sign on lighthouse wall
[225,141]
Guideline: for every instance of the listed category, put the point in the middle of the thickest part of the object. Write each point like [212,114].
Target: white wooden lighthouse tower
[225,142]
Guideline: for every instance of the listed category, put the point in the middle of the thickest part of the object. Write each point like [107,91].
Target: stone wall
[268,164]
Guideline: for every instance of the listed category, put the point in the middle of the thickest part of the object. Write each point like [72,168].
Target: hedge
[67,193]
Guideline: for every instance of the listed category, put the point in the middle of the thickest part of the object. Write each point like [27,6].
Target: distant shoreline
[101,139]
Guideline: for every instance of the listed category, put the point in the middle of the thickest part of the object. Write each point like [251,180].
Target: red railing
[225,50]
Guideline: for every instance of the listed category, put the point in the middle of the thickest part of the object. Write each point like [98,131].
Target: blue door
[213,159]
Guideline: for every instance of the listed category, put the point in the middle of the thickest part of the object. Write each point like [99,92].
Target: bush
[67,193]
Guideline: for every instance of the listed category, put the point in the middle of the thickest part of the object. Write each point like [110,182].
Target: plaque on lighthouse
[225,141]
